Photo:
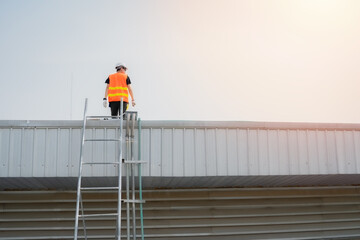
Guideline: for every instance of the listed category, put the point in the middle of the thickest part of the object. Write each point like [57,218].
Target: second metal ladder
[130,162]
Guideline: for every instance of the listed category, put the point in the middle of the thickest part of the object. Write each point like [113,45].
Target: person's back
[118,86]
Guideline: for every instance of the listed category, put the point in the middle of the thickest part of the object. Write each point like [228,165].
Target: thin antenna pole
[71,94]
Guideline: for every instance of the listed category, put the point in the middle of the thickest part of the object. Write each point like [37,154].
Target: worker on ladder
[118,85]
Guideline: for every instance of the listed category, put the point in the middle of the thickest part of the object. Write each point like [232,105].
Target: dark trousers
[115,108]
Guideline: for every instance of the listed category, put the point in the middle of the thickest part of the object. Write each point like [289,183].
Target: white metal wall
[183,149]
[229,152]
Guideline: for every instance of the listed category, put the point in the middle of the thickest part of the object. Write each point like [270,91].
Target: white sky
[261,60]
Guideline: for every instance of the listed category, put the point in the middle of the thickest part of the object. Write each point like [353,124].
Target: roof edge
[181,124]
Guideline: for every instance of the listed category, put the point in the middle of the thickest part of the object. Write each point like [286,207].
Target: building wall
[183,149]
[198,156]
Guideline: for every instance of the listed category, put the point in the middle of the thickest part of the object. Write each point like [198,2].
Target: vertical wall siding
[55,152]
[4,151]
[232,152]
[187,151]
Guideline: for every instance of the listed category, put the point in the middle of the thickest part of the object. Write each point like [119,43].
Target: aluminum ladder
[130,162]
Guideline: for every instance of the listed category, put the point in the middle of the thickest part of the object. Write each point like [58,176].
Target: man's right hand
[105,104]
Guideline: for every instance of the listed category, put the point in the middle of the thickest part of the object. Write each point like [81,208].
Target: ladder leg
[140,181]
[76,219]
[76,228]
[127,177]
[133,203]
[118,228]
[133,178]
[127,202]
[83,219]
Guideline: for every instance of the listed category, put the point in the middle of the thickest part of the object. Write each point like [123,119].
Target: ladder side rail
[82,213]
[119,172]
[133,176]
[100,117]
[80,172]
[140,181]
[128,152]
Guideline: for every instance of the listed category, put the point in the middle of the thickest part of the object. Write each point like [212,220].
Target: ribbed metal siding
[184,150]
[54,152]
[232,152]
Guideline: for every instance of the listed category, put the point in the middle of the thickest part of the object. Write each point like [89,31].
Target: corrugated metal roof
[211,214]
[173,149]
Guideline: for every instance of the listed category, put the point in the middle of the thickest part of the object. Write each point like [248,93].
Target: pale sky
[242,60]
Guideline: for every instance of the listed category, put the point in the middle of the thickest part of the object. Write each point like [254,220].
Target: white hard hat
[120,65]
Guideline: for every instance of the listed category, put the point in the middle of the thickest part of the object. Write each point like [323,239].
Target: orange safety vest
[118,88]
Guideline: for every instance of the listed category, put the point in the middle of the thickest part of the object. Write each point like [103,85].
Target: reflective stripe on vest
[118,88]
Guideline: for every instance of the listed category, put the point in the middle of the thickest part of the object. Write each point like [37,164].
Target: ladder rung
[99,215]
[102,117]
[89,163]
[133,201]
[102,140]
[134,162]
[99,188]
